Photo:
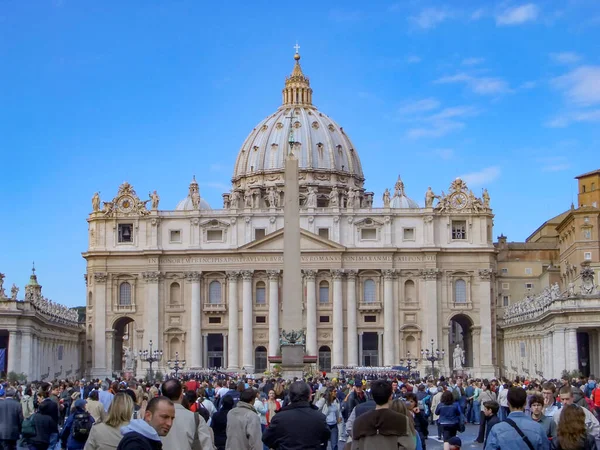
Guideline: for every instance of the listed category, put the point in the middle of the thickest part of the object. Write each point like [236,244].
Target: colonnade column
[485,318]
[151,309]
[195,321]
[233,311]
[572,353]
[311,312]
[379,347]
[13,356]
[360,349]
[429,276]
[558,352]
[99,357]
[388,317]
[273,312]
[204,350]
[338,319]
[110,351]
[225,351]
[247,331]
[352,322]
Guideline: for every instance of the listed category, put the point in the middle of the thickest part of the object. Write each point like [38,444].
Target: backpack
[82,424]
[596,397]
[28,427]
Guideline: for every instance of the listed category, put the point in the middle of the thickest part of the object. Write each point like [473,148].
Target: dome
[325,153]
[189,203]
[400,200]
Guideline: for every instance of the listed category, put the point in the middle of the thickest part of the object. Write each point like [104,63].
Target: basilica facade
[380,283]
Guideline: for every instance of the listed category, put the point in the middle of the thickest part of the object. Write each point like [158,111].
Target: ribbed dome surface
[187,205]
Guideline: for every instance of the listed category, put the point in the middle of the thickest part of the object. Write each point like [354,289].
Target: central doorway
[215,350]
[370,349]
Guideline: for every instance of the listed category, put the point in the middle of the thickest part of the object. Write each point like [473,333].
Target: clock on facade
[459,200]
[126,204]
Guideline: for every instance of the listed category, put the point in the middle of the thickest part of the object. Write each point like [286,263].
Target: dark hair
[154,402]
[191,396]
[299,392]
[241,387]
[131,393]
[226,403]
[536,398]
[381,391]
[447,398]
[517,397]
[93,395]
[172,389]
[492,405]
[566,390]
[549,386]
[248,395]
[410,397]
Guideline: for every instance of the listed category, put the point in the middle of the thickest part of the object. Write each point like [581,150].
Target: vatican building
[204,283]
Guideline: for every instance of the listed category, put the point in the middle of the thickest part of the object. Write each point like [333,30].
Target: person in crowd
[536,409]
[419,418]
[27,403]
[77,427]
[204,403]
[476,408]
[469,392]
[502,400]
[107,434]
[449,415]
[435,401]
[188,428]
[486,395]
[454,443]
[219,423]
[145,434]
[382,428]
[572,432]
[550,403]
[299,424]
[11,418]
[355,397]
[273,406]
[95,408]
[517,432]
[45,425]
[243,424]
[105,396]
[568,398]
[329,406]
[491,417]
[400,405]
[260,405]
[51,409]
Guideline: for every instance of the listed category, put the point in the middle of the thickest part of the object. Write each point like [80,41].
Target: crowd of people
[224,411]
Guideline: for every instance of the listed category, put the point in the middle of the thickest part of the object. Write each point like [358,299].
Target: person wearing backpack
[596,399]
[38,429]
[77,427]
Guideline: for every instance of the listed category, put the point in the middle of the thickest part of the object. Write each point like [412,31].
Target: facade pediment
[368,223]
[214,223]
[309,242]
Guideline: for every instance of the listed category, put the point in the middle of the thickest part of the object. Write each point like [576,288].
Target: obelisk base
[292,361]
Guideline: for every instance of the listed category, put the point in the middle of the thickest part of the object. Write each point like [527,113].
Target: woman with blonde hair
[107,435]
[399,406]
[572,433]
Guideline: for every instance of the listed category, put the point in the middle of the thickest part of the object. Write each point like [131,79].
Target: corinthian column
[151,309]
[99,357]
[233,341]
[485,314]
[388,317]
[311,313]
[196,321]
[338,319]
[273,312]
[247,331]
[351,315]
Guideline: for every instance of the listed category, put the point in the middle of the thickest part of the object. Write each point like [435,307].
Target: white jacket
[182,433]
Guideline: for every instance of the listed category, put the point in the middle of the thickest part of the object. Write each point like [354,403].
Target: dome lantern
[297,89]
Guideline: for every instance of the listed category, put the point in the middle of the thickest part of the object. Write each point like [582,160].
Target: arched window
[323,292]
[260,359]
[411,346]
[460,291]
[260,296]
[324,359]
[90,299]
[214,292]
[175,294]
[125,294]
[410,291]
[175,347]
[369,291]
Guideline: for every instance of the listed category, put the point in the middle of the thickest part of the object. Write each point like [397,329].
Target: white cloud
[454,112]
[581,86]
[472,61]
[413,59]
[479,85]
[434,130]
[553,163]
[419,106]
[565,57]
[441,123]
[484,176]
[430,18]
[518,15]
[588,116]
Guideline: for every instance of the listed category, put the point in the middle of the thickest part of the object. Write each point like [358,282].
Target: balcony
[124,308]
[261,306]
[369,306]
[214,308]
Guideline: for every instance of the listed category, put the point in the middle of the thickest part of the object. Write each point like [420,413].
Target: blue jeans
[333,439]
[475,412]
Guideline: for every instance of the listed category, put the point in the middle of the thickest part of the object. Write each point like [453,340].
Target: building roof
[587,174]
[555,221]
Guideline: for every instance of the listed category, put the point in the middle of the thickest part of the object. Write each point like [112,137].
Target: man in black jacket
[299,425]
[11,418]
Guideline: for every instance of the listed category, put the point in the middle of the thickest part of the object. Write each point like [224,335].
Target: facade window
[214,293]
[259,233]
[528,271]
[505,286]
[583,188]
[369,295]
[505,300]
[260,359]
[410,291]
[523,350]
[459,229]
[460,291]
[175,236]
[125,294]
[368,234]
[528,285]
[370,319]
[324,319]
[175,294]
[125,232]
[587,256]
[214,320]
[261,319]
[90,299]
[325,359]
[504,271]
[214,235]
[587,234]
[324,233]
[261,298]
[409,234]
[323,292]
[593,186]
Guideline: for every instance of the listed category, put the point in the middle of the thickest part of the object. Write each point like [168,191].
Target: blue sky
[505,94]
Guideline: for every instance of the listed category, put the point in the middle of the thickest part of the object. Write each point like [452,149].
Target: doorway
[370,349]
[214,343]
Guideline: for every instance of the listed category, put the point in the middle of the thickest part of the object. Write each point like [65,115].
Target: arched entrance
[461,333]
[260,359]
[325,359]
[124,351]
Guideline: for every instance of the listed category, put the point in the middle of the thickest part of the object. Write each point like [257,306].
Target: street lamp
[151,356]
[409,363]
[432,356]
[177,364]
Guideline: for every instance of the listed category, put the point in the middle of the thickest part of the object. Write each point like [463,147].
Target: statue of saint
[458,357]
[195,200]
[235,200]
[334,197]
[429,196]
[386,198]
[96,202]
[155,199]
[129,359]
[311,200]
[486,198]
[271,198]
[14,291]
[351,196]
[248,198]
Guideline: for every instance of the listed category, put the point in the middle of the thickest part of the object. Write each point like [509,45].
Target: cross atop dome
[297,89]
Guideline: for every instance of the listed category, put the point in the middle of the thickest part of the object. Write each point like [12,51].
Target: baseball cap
[455,440]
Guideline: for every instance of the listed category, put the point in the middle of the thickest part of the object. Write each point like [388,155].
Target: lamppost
[151,356]
[433,356]
[409,363]
[177,364]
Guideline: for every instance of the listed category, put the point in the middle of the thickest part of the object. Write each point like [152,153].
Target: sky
[504,94]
